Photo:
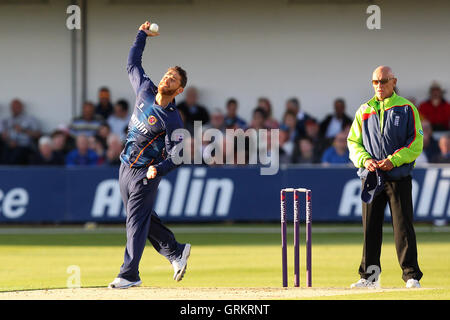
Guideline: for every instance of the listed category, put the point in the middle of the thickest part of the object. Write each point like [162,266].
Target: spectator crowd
[97,136]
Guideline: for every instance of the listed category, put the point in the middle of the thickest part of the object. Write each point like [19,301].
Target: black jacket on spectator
[346,120]
[104,112]
[300,126]
[191,114]
[57,159]
[297,155]
[432,151]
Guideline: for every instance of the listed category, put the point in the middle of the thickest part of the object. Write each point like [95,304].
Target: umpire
[384,141]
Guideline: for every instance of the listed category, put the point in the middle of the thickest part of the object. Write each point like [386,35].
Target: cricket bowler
[147,157]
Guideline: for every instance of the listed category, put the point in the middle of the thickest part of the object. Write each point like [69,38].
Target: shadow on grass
[2,290]
[203,239]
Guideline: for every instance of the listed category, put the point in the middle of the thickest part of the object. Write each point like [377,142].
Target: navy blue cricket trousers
[142,223]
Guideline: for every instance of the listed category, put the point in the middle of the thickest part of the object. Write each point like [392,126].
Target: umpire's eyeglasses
[382,81]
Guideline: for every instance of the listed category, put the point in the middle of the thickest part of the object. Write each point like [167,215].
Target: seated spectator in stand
[104,107]
[304,152]
[265,104]
[259,119]
[103,133]
[19,133]
[62,141]
[335,123]
[96,144]
[312,131]
[436,109]
[46,156]
[232,120]
[430,144]
[422,158]
[289,123]
[88,123]
[192,110]
[347,128]
[115,147]
[286,145]
[118,121]
[338,153]
[444,146]
[217,121]
[257,123]
[293,105]
[82,155]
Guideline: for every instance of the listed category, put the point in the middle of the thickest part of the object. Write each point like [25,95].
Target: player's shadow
[246,235]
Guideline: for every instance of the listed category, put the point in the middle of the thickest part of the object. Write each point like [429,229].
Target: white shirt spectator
[118,126]
[118,121]
[16,128]
[334,127]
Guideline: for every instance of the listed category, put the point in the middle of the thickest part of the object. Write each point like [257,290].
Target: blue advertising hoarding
[194,194]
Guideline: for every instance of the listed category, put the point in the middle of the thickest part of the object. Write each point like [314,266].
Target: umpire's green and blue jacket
[386,129]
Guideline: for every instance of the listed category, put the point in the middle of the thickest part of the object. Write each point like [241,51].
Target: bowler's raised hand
[146,28]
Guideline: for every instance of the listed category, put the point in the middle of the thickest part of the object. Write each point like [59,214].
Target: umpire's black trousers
[399,196]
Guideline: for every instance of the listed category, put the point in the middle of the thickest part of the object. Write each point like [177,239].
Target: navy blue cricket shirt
[151,126]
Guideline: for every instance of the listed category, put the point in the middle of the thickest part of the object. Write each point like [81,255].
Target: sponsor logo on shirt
[138,124]
[152,120]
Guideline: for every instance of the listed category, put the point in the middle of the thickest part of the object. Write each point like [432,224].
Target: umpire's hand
[385,165]
[371,165]
[145,27]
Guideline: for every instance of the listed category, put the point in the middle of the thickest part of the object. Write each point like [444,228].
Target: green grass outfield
[238,255]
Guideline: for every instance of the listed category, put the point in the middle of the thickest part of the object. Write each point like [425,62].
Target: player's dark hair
[182,74]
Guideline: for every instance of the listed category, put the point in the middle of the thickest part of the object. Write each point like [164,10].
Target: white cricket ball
[154,27]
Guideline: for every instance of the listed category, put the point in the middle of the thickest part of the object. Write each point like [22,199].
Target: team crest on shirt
[152,120]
